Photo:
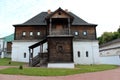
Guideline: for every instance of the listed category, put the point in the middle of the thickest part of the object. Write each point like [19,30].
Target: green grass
[8,62]
[56,72]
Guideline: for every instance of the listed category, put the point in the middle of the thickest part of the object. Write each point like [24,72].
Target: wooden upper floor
[59,22]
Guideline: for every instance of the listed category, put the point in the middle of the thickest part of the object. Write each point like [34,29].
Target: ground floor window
[24,55]
[78,53]
[87,54]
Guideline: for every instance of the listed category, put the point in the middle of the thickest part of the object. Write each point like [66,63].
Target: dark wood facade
[19,30]
[9,47]
[60,49]
[91,32]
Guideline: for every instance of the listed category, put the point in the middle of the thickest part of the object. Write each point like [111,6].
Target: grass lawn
[8,62]
[32,71]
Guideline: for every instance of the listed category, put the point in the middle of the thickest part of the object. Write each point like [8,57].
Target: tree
[118,29]
[109,36]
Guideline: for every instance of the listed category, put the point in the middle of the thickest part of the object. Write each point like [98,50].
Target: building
[110,52]
[59,39]
[1,47]
[6,46]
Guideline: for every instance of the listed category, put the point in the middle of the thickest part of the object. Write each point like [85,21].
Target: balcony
[60,32]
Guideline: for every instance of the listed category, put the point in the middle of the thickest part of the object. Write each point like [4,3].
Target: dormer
[59,22]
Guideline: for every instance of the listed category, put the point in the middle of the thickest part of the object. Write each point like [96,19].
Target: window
[59,13]
[24,55]
[60,49]
[85,33]
[31,33]
[78,53]
[24,33]
[76,33]
[38,33]
[86,53]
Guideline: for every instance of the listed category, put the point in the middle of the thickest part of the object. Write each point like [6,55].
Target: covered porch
[41,58]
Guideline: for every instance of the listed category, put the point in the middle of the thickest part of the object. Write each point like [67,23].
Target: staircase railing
[41,58]
[36,60]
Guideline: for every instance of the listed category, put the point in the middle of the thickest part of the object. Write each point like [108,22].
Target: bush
[9,62]
[21,67]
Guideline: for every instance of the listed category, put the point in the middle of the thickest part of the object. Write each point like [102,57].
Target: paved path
[3,67]
[103,75]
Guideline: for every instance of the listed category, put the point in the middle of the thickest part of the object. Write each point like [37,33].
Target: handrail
[36,60]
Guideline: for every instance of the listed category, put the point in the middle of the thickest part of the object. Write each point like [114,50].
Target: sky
[104,13]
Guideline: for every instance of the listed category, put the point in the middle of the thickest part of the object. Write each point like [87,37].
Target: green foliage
[118,29]
[109,36]
[32,71]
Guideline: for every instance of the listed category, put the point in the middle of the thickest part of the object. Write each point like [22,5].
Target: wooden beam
[69,26]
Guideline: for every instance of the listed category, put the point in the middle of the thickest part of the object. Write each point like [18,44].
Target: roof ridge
[39,19]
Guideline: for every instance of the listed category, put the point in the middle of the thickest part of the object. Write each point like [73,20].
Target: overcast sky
[105,13]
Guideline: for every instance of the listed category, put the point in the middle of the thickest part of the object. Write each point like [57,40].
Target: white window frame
[76,33]
[38,33]
[23,33]
[84,33]
[31,33]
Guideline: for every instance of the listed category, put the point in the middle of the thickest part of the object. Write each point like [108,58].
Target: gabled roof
[40,19]
[59,9]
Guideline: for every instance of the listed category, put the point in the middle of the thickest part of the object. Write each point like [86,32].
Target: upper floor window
[38,33]
[23,33]
[85,33]
[76,33]
[31,33]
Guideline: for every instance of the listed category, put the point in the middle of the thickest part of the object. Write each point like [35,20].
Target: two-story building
[6,46]
[59,39]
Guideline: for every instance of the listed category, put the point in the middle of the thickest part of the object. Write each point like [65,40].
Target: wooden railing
[41,58]
[35,60]
[60,32]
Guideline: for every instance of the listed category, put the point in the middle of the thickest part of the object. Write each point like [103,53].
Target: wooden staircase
[35,60]
[40,60]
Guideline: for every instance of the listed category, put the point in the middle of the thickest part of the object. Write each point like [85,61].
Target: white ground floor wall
[20,50]
[88,51]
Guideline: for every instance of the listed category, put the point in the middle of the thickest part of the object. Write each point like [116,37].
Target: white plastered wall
[83,46]
[19,48]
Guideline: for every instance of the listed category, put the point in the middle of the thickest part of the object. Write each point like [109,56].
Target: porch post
[30,57]
[41,48]
[69,26]
[50,28]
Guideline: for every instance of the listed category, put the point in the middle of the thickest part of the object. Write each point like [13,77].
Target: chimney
[49,11]
[66,10]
